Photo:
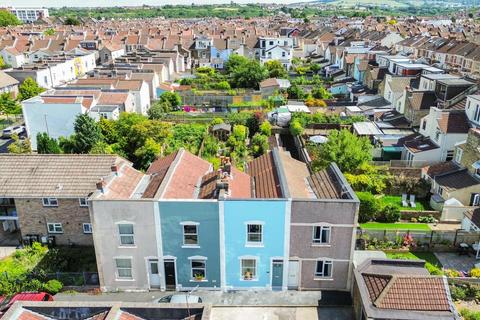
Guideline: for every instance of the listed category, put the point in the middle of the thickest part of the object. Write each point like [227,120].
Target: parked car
[180,298]
[9,132]
[7,302]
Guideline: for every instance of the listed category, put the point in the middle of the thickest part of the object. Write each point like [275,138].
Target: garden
[39,268]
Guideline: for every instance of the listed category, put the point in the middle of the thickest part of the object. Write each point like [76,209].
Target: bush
[452,273]
[475,273]
[426,219]
[369,207]
[470,314]
[389,213]
[296,128]
[458,293]
[53,286]
[266,128]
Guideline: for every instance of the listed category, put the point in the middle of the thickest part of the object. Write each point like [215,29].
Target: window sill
[126,279]
[186,246]
[323,279]
[204,280]
[321,245]
[249,280]
[254,245]
[127,247]
[50,206]
[55,232]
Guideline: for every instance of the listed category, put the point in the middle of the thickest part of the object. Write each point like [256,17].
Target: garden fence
[76,279]
[422,237]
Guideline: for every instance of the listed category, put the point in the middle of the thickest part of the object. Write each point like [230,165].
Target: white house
[280,48]
[13,57]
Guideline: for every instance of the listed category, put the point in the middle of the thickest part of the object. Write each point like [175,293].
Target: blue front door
[277,274]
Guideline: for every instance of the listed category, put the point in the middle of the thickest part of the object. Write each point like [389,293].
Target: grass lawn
[395,226]
[420,205]
[432,264]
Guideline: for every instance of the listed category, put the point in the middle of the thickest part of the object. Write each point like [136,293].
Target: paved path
[238,298]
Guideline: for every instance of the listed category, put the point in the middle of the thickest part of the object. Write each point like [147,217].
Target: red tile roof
[265,178]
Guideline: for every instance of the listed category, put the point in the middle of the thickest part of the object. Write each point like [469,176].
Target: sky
[111,3]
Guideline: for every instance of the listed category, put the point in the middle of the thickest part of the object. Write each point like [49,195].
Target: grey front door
[277,274]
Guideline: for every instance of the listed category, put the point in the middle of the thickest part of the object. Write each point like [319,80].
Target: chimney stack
[115,169]
[101,185]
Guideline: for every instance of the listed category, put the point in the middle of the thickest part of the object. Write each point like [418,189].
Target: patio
[452,260]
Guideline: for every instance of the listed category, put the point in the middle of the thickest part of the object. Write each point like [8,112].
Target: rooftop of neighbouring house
[403,289]
[274,175]
[72,310]
[64,176]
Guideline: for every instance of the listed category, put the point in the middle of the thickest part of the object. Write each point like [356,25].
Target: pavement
[216,298]
[251,305]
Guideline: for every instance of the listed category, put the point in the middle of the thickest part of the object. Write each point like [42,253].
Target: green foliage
[295,92]
[369,178]
[49,32]
[276,69]
[101,147]
[389,213]
[8,19]
[468,314]
[171,97]
[259,144]
[296,129]
[28,89]
[216,121]
[426,219]
[72,21]
[475,272]
[244,72]
[320,92]
[47,145]
[188,136]
[458,293]
[109,133]
[147,153]
[223,85]
[19,146]
[266,128]
[4,65]
[53,286]
[8,105]
[87,134]
[347,150]
[369,206]
[159,108]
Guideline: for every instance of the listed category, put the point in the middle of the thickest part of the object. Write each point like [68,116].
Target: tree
[171,97]
[87,133]
[321,93]
[259,144]
[19,146]
[245,73]
[344,148]
[276,69]
[147,153]
[8,105]
[8,19]
[109,132]
[295,92]
[72,21]
[369,206]
[4,65]
[28,89]
[159,108]
[47,145]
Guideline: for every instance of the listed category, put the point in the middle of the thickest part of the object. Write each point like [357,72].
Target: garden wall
[409,214]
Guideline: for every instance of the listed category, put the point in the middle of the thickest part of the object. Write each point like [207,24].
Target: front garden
[38,268]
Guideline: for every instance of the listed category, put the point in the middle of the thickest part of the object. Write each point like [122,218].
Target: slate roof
[456,180]
[53,175]
[453,122]
[474,216]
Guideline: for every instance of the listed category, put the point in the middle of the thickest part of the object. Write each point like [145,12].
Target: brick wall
[33,218]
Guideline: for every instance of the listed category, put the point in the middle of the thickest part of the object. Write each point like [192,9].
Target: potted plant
[199,277]
[247,275]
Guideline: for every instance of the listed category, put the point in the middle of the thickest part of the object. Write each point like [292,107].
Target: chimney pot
[101,185]
[115,168]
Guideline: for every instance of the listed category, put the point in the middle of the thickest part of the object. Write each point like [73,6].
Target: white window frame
[50,202]
[458,155]
[318,241]
[476,200]
[57,227]
[117,269]
[201,260]
[250,243]
[322,274]
[83,202]
[255,269]
[89,228]
[190,224]
[123,235]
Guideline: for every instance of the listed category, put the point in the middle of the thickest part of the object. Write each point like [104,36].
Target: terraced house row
[182,224]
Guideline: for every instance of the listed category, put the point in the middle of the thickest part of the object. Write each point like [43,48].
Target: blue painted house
[254,243]
[219,53]
[191,244]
